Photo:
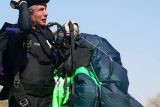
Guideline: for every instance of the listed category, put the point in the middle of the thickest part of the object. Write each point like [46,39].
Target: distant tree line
[154,101]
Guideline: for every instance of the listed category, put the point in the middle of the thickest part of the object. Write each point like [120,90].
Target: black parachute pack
[102,82]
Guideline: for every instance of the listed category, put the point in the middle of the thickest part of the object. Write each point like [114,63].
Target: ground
[3,103]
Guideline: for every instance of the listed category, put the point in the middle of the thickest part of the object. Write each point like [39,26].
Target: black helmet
[32,2]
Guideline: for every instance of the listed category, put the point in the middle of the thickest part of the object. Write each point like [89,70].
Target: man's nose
[45,13]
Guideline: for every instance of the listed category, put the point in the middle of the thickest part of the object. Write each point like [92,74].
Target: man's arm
[24,20]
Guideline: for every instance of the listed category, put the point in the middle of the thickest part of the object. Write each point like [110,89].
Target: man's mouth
[44,20]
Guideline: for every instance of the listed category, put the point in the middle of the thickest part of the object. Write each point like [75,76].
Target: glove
[16,3]
[66,40]
[75,27]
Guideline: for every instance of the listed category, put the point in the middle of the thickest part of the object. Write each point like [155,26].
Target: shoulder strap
[27,44]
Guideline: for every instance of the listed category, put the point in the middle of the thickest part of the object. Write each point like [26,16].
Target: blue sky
[131,26]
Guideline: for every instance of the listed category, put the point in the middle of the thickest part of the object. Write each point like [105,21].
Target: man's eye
[41,9]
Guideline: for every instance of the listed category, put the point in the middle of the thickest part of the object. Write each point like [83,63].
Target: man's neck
[35,27]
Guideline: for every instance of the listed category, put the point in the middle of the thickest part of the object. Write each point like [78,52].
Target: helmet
[32,2]
[15,3]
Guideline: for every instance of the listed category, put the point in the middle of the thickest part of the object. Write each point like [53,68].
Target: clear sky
[131,26]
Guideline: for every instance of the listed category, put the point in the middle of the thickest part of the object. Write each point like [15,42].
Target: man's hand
[75,25]
[16,3]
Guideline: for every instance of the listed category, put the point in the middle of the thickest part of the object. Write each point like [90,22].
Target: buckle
[16,83]
[27,44]
[23,102]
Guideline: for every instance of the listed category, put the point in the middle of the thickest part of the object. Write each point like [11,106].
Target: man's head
[38,14]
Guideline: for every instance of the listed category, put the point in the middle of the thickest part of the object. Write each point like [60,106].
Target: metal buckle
[23,102]
[16,83]
[27,44]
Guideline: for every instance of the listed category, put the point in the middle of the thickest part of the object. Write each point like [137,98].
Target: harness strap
[19,92]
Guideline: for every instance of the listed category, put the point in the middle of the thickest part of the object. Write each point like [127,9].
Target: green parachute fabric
[91,92]
[59,98]
[85,86]
[88,91]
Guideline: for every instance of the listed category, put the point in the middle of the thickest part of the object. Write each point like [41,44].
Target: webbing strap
[19,92]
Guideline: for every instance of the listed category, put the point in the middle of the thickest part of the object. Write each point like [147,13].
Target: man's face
[39,14]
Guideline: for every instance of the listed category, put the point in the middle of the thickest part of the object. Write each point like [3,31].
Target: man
[32,56]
